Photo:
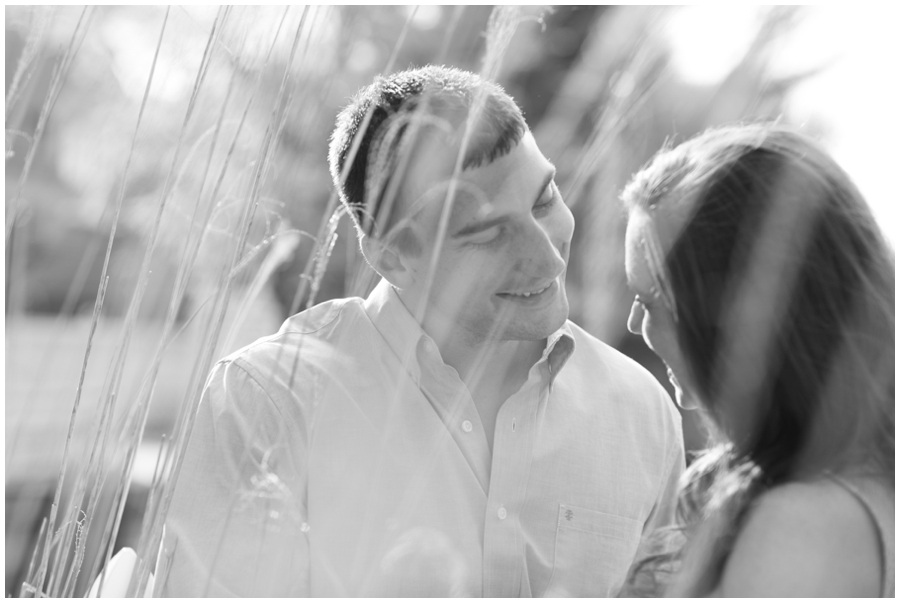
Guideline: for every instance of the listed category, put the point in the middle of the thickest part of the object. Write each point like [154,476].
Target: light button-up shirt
[343,457]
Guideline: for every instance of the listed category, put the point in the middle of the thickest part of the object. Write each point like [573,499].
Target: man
[452,434]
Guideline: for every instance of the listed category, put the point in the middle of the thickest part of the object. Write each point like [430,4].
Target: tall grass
[59,77]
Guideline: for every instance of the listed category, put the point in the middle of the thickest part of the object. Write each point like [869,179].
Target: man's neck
[487,364]
[491,369]
[484,365]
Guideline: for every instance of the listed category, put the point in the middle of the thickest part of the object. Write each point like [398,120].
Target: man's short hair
[445,93]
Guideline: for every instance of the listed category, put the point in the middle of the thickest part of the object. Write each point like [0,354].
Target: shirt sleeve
[663,513]
[236,525]
[653,564]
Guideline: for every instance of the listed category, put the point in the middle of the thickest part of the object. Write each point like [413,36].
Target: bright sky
[856,97]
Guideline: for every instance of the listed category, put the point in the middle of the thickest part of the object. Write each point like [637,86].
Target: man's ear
[387,261]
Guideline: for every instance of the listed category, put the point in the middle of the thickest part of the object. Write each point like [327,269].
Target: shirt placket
[513,445]
[452,402]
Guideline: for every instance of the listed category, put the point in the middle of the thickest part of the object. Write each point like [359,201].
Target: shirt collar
[403,334]
[560,347]
[395,323]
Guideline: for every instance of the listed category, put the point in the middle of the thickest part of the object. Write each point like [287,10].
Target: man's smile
[533,295]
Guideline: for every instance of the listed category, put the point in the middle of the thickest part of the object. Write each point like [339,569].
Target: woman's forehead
[637,262]
[649,236]
[669,214]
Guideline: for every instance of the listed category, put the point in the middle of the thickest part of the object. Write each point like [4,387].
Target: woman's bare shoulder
[805,539]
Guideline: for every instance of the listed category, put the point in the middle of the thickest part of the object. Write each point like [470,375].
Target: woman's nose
[635,317]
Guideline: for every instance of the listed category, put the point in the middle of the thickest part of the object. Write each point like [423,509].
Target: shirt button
[467,426]
[304,527]
[501,513]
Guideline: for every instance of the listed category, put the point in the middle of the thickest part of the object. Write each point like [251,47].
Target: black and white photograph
[450,301]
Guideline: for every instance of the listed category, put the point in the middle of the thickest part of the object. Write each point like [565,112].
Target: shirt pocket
[592,554]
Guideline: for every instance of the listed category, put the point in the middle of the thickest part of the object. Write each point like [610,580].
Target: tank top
[878,499]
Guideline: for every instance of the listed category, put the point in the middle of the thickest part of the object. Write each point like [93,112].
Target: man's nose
[542,255]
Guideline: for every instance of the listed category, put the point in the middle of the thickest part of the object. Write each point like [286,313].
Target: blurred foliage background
[215,185]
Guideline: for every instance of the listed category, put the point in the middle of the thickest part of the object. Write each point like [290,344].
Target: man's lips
[532,294]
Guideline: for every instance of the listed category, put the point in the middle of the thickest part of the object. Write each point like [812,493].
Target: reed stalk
[25,67]
[27,587]
[185,268]
[161,491]
[56,84]
[265,154]
[227,280]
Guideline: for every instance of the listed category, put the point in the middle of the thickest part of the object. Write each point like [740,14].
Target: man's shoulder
[604,368]
[316,331]
[321,316]
[593,352]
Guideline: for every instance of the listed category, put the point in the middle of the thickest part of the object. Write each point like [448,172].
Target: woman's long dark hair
[783,287]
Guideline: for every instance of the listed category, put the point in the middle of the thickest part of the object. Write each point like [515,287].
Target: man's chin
[562,315]
[551,321]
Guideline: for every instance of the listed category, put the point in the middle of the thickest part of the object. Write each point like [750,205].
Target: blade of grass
[262,168]
[95,319]
[155,516]
[201,365]
[134,307]
[502,25]
[96,464]
[451,31]
[58,80]
[25,68]
[104,272]
[141,408]
[28,585]
[306,275]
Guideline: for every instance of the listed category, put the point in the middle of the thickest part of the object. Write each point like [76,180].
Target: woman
[763,282]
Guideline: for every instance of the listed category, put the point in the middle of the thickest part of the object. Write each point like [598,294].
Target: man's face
[501,268]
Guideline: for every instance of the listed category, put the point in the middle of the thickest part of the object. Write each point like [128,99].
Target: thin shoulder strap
[878,500]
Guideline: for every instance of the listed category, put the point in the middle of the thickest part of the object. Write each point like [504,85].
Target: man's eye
[485,237]
[547,199]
